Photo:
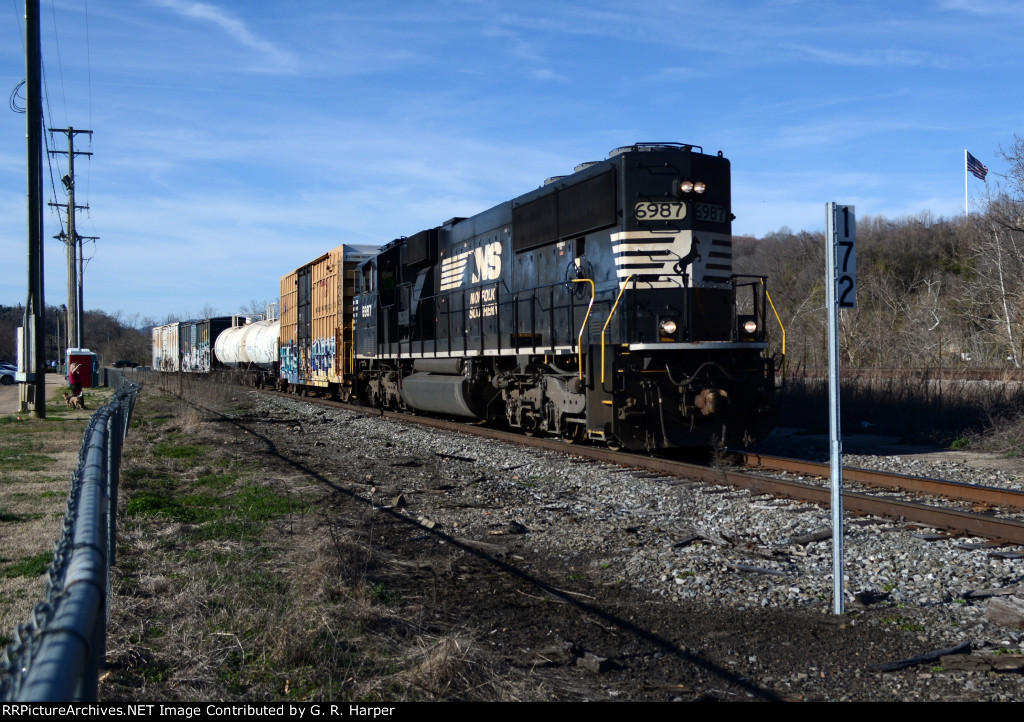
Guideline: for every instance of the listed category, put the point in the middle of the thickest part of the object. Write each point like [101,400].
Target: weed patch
[172,450]
[32,566]
[7,516]
[217,481]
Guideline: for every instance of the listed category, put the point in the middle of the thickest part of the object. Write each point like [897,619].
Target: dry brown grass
[444,666]
[209,605]
[37,457]
[921,408]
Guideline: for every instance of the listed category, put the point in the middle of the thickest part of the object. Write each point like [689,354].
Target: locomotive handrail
[583,326]
[503,304]
[609,320]
[779,320]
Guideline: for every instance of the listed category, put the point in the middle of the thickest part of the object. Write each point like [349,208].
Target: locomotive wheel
[575,434]
[613,444]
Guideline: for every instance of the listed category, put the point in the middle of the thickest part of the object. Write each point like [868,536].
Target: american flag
[974,165]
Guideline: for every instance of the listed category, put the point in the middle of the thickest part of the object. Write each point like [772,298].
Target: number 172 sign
[841,229]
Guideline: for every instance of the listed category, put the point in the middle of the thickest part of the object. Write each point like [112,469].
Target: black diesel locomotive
[599,306]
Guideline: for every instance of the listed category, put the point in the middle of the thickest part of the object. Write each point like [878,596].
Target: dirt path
[9,394]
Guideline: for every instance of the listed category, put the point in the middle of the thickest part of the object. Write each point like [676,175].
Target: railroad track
[975,523]
[976,494]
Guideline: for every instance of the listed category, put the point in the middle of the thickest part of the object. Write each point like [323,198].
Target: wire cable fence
[57,655]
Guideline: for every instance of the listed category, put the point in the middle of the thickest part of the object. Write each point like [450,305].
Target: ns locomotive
[600,306]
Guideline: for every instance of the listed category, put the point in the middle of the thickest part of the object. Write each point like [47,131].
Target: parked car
[7,372]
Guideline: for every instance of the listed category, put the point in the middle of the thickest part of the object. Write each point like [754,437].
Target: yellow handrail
[609,320]
[579,338]
[779,320]
[769,297]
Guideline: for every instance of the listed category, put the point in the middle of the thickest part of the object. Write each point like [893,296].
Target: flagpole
[966,211]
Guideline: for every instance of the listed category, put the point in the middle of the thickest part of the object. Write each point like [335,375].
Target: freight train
[600,306]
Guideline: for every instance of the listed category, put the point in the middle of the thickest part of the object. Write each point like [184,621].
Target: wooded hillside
[932,292]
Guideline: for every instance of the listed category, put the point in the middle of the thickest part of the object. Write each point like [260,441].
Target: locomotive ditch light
[667,328]
[748,328]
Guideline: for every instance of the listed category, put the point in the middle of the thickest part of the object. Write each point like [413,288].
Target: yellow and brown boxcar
[316,322]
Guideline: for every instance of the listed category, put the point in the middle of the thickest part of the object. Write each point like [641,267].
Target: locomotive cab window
[369,273]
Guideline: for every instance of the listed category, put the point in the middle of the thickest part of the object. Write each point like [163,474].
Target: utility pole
[72,239]
[31,375]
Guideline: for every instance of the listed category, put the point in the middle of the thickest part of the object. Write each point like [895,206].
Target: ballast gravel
[683,540]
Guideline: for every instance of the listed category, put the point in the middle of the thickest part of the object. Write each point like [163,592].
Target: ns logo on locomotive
[600,306]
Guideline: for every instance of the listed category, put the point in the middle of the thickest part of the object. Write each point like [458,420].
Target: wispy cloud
[548,74]
[890,57]
[1002,8]
[281,60]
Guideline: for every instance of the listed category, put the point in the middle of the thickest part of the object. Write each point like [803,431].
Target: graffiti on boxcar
[204,356]
[290,364]
[322,358]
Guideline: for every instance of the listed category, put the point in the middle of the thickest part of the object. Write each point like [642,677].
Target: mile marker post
[841,270]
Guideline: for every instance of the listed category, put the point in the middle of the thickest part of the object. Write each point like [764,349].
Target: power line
[88,70]
[47,123]
[13,102]
[60,64]
[17,21]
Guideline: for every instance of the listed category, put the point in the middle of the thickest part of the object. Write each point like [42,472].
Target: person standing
[75,380]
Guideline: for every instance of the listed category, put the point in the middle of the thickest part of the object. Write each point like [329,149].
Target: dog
[73,402]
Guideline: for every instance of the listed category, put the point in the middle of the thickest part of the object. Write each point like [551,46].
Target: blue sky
[235,141]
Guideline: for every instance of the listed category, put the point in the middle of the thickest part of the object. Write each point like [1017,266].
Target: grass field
[37,457]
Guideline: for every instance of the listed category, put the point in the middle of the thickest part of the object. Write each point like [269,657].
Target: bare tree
[255,307]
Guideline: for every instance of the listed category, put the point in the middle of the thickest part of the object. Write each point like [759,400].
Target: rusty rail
[1002,530]
[974,493]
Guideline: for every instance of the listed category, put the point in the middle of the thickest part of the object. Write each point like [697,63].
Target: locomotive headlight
[685,186]
[699,187]
[750,326]
[667,327]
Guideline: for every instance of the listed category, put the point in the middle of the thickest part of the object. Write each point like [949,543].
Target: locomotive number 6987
[599,306]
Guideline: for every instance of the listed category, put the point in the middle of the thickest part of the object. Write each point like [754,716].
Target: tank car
[250,347]
[601,305]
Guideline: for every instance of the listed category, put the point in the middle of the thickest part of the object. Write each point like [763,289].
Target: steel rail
[963,491]
[1001,530]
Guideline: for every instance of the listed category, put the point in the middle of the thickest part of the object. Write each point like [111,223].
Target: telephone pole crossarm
[72,239]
